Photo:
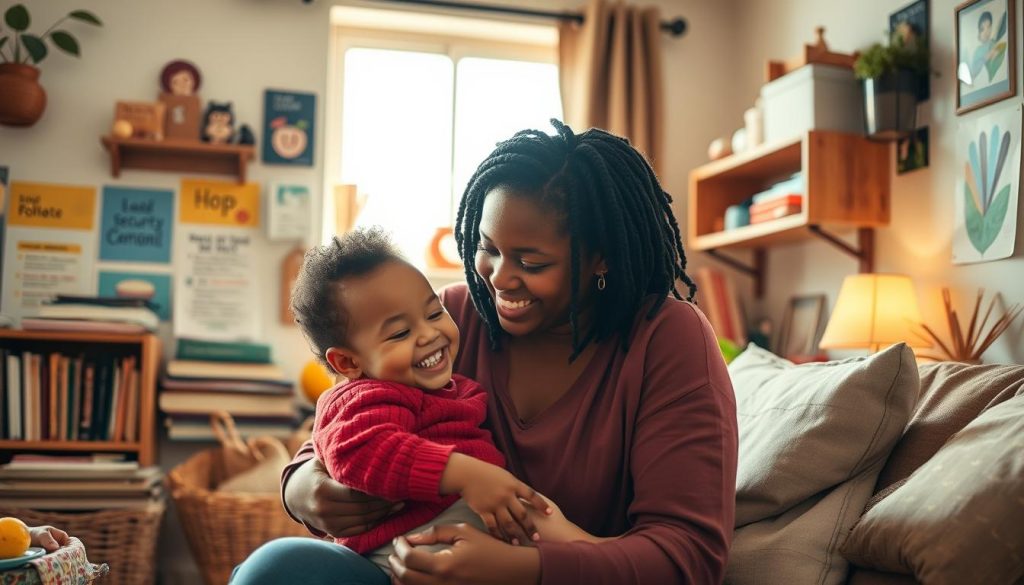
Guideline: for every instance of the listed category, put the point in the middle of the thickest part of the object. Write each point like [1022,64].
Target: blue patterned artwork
[988,164]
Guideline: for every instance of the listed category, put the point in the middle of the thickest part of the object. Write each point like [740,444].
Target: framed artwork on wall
[986,50]
[801,328]
[910,23]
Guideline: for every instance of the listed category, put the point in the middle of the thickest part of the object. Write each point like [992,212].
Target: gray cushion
[813,439]
[960,517]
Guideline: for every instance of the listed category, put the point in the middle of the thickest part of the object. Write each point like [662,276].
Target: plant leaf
[35,46]
[85,16]
[65,42]
[17,17]
[985,185]
[995,215]
[983,229]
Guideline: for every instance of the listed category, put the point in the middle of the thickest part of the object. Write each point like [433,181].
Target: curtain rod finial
[677,27]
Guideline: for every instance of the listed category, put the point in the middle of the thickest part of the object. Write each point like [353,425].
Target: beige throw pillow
[805,429]
[960,516]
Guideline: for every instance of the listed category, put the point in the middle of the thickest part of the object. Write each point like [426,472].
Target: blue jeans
[305,560]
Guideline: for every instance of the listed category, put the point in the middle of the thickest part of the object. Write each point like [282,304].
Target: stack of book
[239,378]
[782,199]
[97,314]
[69,397]
[86,482]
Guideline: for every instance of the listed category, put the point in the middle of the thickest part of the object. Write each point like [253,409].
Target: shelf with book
[78,392]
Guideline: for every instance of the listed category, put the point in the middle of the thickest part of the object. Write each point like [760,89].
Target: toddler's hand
[500,499]
[48,537]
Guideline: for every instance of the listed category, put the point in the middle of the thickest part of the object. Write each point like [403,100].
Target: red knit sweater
[393,441]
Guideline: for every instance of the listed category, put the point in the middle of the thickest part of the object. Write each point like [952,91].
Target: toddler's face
[398,330]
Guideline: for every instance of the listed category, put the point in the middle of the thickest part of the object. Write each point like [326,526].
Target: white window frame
[537,44]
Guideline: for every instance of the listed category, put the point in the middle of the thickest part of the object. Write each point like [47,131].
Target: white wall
[918,241]
[245,46]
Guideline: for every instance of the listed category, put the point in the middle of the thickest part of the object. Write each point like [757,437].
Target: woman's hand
[475,558]
[328,506]
[48,537]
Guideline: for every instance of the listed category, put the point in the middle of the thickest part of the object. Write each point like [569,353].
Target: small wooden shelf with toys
[171,134]
[178,155]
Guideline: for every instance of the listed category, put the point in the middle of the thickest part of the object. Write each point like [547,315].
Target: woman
[606,395]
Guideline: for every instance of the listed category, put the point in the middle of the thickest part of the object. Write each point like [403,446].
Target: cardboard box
[182,119]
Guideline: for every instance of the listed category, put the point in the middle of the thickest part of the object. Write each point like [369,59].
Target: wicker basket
[224,528]
[125,539]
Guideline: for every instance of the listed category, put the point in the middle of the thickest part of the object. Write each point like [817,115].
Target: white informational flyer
[50,245]
[289,211]
[218,248]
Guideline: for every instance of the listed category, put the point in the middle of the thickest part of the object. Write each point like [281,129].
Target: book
[762,216]
[103,301]
[200,430]
[193,369]
[29,397]
[135,315]
[52,382]
[85,427]
[3,394]
[132,406]
[62,399]
[217,351]
[14,396]
[78,325]
[234,403]
[79,503]
[201,385]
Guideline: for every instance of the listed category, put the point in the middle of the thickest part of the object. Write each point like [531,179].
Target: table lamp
[874,311]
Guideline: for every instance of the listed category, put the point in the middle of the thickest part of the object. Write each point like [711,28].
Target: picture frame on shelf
[910,23]
[802,327]
[986,50]
[912,152]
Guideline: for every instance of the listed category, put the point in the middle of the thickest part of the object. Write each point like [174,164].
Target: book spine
[52,383]
[27,411]
[85,429]
[14,395]
[4,426]
[193,349]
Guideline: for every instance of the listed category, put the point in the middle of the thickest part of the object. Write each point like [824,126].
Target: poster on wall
[218,257]
[988,181]
[50,245]
[155,288]
[910,25]
[986,50]
[136,224]
[289,121]
[289,209]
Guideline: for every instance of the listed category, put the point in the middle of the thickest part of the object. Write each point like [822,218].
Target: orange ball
[14,538]
[122,129]
[315,380]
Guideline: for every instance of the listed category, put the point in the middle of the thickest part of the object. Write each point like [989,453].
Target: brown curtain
[610,69]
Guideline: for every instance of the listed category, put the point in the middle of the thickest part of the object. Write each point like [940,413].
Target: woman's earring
[600,281]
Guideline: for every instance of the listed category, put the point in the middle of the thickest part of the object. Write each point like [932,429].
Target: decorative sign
[50,246]
[289,120]
[219,203]
[136,224]
[289,211]
[155,288]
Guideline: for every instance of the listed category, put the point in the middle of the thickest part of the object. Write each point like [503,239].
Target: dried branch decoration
[968,345]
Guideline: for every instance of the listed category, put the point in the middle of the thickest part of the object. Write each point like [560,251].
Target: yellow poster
[219,203]
[42,205]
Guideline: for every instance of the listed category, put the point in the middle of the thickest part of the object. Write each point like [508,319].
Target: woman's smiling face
[524,259]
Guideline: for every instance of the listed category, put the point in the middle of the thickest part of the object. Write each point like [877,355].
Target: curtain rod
[676,27]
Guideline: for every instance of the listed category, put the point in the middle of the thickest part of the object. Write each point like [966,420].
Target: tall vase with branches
[22,99]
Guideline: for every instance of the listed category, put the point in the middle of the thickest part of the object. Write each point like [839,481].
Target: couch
[877,470]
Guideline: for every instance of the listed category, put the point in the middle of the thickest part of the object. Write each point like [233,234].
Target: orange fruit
[14,538]
[315,380]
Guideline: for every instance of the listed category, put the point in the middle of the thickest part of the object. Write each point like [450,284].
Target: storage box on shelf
[846,180]
[813,97]
[138,414]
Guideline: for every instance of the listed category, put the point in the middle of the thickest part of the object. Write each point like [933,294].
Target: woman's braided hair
[612,205]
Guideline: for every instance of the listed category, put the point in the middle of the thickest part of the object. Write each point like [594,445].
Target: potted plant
[22,99]
[891,74]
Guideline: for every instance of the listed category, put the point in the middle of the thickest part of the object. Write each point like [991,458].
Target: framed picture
[986,49]
[912,151]
[910,24]
[801,327]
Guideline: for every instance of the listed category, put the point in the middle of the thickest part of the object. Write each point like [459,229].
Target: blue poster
[155,288]
[289,119]
[137,224]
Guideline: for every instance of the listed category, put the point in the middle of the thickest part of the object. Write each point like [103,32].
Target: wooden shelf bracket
[757,271]
[864,253]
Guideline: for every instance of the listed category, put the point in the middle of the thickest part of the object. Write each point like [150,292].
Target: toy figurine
[219,123]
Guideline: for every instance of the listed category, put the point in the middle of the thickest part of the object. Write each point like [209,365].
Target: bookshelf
[145,349]
[178,155]
[847,189]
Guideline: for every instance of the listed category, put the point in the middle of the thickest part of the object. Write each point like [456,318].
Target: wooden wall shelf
[846,180]
[177,155]
[146,347]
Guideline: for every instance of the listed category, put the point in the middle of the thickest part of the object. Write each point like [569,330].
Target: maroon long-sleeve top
[642,447]
[393,441]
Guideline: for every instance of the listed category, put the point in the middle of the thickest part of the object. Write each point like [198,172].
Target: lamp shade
[874,311]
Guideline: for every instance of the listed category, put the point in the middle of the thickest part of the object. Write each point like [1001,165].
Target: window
[418,114]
